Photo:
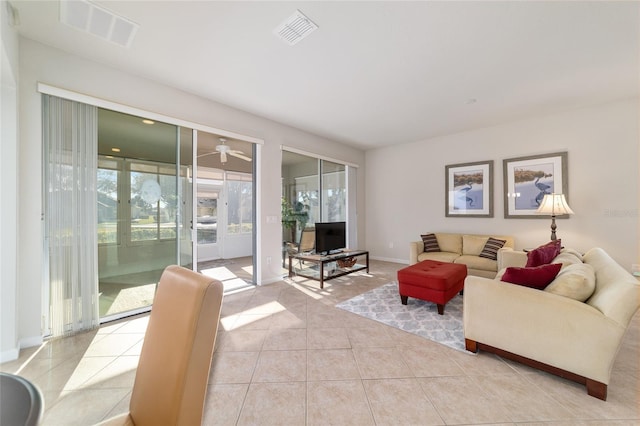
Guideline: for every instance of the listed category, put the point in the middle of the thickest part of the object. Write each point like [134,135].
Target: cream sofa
[461,248]
[558,334]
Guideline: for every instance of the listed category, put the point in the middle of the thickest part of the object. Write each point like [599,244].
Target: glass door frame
[194,199]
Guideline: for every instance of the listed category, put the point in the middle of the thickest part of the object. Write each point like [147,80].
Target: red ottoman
[432,281]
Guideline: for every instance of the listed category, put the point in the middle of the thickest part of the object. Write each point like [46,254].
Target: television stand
[320,272]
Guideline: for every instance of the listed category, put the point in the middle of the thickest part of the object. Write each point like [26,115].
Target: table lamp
[554,205]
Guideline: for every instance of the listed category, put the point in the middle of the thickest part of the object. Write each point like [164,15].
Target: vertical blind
[70,171]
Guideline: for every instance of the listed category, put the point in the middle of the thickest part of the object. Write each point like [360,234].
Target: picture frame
[469,189]
[528,179]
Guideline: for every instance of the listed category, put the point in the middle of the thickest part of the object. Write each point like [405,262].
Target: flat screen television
[330,237]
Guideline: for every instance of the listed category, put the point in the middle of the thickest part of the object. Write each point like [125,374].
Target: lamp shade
[554,205]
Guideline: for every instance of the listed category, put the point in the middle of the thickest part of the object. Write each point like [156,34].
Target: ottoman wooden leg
[471,345]
[440,309]
[404,299]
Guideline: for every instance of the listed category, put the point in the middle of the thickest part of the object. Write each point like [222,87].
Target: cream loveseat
[552,329]
[461,248]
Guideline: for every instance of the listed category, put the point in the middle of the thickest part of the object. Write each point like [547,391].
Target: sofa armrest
[415,248]
[545,327]
[509,257]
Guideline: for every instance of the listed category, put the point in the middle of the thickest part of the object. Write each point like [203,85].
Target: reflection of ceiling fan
[223,149]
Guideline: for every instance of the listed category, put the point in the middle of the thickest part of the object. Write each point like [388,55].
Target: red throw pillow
[544,254]
[535,277]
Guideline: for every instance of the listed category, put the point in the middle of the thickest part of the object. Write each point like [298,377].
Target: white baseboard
[29,342]
[388,259]
[10,355]
[272,280]
[13,353]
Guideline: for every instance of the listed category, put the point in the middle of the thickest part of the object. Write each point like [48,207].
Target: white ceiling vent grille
[93,19]
[295,28]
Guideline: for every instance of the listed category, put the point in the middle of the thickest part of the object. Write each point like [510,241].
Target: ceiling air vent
[295,28]
[93,19]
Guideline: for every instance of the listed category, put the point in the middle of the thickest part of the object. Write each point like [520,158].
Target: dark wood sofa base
[594,388]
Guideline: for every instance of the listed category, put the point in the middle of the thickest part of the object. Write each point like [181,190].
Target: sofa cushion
[477,262]
[617,291]
[450,242]
[473,244]
[441,256]
[568,257]
[430,243]
[533,276]
[544,254]
[574,252]
[577,281]
[490,250]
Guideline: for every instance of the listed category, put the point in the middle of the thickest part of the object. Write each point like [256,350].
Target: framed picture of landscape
[469,189]
[528,179]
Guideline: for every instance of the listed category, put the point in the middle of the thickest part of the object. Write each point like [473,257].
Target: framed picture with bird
[528,179]
[469,189]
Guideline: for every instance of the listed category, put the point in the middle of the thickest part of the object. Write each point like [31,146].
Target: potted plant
[294,216]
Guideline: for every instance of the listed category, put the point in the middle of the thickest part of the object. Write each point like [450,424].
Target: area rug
[417,316]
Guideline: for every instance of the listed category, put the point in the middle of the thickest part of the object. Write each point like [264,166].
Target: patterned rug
[417,316]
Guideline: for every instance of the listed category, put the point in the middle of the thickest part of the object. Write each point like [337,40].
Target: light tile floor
[285,355]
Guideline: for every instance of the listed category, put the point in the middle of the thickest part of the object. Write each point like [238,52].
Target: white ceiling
[374,73]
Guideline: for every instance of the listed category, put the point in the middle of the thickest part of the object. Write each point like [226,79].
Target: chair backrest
[307,239]
[173,371]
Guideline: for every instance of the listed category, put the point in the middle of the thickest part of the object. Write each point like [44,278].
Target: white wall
[40,63]
[603,151]
[8,188]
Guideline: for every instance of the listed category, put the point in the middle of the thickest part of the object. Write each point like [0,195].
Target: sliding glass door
[315,190]
[140,226]
[334,192]
[126,196]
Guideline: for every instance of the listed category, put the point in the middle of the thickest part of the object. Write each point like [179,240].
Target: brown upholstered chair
[173,370]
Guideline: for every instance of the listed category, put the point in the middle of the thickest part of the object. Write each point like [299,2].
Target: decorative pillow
[490,250]
[534,276]
[544,254]
[430,243]
[577,281]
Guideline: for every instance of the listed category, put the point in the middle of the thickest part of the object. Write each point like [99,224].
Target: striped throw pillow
[430,243]
[491,247]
